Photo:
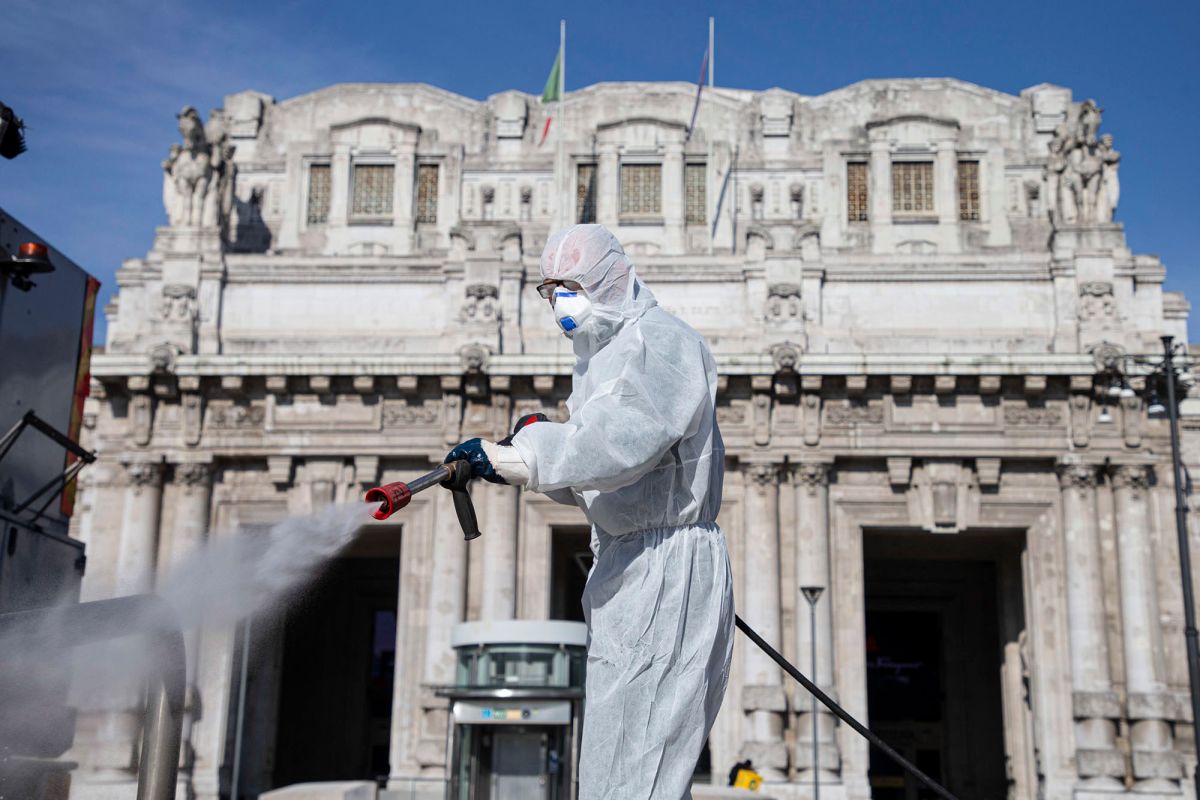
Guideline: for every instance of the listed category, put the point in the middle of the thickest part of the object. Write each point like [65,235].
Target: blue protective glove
[472,452]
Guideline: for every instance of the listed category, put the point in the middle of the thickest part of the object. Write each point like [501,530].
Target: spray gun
[454,476]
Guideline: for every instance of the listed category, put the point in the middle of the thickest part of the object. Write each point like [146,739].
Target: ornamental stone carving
[402,414]
[178,303]
[1135,477]
[1081,179]
[474,358]
[239,417]
[142,474]
[853,414]
[1078,477]
[1031,416]
[1096,301]
[199,174]
[482,304]
[192,475]
[731,415]
[762,475]
[783,302]
[812,476]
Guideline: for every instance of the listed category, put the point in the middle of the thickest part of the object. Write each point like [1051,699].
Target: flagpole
[712,54]
[564,183]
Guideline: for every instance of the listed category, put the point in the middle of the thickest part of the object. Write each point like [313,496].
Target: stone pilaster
[138,549]
[499,573]
[763,698]
[673,198]
[608,190]
[813,569]
[1096,708]
[192,495]
[1155,764]
[446,608]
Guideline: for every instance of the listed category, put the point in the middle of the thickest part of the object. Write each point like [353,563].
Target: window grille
[374,187]
[318,194]
[856,191]
[427,192]
[697,198]
[641,190]
[968,190]
[912,187]
[585,193]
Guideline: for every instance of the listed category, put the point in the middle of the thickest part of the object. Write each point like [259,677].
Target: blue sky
[99,83]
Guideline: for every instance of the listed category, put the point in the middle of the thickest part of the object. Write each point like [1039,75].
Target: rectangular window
[318,194]
[856,191]
[695,180]
[374,187]
[427,192]
[585,194]
[968,190]
[641,190]
[912,187]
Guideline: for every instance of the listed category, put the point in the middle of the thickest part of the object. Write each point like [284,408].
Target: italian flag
[553,91]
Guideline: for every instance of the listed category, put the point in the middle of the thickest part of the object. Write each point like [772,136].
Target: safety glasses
[546,288]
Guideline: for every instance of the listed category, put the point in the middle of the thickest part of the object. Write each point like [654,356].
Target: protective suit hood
[592,256]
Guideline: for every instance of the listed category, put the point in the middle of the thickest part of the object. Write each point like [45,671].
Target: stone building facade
[915,291]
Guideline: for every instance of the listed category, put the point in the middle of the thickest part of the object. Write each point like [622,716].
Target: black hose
[843,714]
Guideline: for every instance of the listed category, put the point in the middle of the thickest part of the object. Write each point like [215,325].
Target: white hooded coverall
[642,456]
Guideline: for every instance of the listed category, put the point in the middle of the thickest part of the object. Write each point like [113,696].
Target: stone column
[138,550]
[879,192]
[114,728]
[192,497]
[499,578]
[673,198]
[447,603]
[1154,762]
[812,569]
[608,188]
[1096,707]
[763,698]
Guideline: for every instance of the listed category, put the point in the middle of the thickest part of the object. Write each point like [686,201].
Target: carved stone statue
[199,174]
[1089,121]
[1081,171]
[1110,184]
[1061,201]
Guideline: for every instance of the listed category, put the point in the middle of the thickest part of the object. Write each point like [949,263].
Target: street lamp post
[812,594]
[1162,373]
[1185,555]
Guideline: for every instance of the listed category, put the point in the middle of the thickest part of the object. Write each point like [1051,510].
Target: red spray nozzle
[391,498]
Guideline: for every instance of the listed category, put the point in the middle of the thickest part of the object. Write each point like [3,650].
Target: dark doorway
[570,562]
[339,656]
[934,659]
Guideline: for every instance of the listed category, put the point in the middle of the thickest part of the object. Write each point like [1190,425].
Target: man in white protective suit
[641,455]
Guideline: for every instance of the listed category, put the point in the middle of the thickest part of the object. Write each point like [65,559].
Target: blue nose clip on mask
[571,310]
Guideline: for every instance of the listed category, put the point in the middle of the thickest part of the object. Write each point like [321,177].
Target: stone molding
[1157,764]
[773,755]
[1100,763]
[1096,705]
[1174,706]
[763,698]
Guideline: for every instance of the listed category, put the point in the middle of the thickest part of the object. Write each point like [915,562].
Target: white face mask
[572,310]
